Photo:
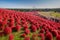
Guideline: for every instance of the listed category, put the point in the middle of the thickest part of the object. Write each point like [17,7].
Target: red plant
[27,31]
[27,38]
[1,34]
[58,32]
[42,36]
[23,35]
[58,37]
[33,27]
[18,27]
[42,31]
[54,32]
[7,30]
[25,26]
[48,36]
[11,37]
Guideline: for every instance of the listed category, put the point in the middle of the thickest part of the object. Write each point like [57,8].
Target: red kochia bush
[11,37]
[58,32]
[1,25]
[48,36]
[27,38]
[7,30]
[54,32]
[23,35]
[42,36]
[33,27]
[18,27]
[58,37]
[42,31]
[1,34]
[25,26]
[27,31]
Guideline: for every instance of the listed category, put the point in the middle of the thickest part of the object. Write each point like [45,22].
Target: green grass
[55,14]
[50,14]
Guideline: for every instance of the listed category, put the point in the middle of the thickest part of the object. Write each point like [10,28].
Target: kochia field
[16,25]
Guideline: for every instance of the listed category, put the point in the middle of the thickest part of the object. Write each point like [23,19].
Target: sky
[29,3]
